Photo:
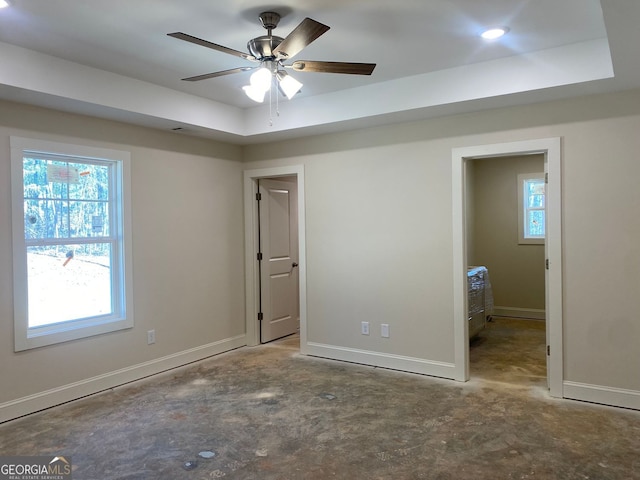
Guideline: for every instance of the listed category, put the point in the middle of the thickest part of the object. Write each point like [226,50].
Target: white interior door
[279,303]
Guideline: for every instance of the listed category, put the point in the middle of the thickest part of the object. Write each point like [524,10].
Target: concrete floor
[269,413]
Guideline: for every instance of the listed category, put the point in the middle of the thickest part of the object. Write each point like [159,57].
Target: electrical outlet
[365,328]
[384,330]
[151,337]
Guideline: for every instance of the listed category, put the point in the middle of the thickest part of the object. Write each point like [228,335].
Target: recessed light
[495,32]
[4,3]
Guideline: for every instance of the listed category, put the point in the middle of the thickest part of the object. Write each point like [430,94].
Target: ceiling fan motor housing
[262,47]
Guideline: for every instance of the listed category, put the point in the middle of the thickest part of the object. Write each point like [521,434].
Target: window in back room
[531,208]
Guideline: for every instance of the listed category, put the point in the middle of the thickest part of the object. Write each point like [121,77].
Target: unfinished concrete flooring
[269,413]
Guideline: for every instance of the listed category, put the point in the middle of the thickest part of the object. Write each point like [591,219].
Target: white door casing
[551,148]
[279,258]
[252,280]
[547,330]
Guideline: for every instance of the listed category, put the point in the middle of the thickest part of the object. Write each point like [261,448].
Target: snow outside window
[71,242]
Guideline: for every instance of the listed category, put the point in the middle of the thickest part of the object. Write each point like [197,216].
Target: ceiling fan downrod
[269,20]
[262,47]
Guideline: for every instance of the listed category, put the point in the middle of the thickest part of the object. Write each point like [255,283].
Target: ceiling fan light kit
[261,78]
[271,52]
[288,85]
[254,93]
[259,83]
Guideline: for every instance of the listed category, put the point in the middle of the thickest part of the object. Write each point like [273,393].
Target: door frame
[251,245]
[551,149]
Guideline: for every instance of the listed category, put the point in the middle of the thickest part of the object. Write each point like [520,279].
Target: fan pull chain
[270,112]
[274,86]
[277,97]
[270,103]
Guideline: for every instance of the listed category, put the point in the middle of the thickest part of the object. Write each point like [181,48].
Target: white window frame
[523,235]
[122,317]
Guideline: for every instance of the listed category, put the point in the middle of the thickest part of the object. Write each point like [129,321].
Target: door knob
[294,264]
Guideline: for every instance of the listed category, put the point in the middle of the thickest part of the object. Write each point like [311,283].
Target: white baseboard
[384,360]
[616,397]
[56,396]
[519,312]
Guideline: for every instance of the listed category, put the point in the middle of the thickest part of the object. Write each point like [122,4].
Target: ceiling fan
[271,52]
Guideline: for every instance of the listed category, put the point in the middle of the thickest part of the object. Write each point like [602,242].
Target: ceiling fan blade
[218,74]
[305,33]
[333,67]
[214,46]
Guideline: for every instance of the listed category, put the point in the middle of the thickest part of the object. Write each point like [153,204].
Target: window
[71,242]
[531,208]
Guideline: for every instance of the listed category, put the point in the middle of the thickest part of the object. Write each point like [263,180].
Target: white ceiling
[113,59]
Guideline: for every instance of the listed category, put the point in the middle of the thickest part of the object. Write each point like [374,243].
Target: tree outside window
[531,208]
[70,213]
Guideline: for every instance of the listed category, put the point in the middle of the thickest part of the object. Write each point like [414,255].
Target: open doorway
[505,218]
[274,205]
[550,149]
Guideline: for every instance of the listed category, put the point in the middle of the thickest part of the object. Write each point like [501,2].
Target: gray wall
[379,230]
[516,271]
[187,251]
[378,236]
